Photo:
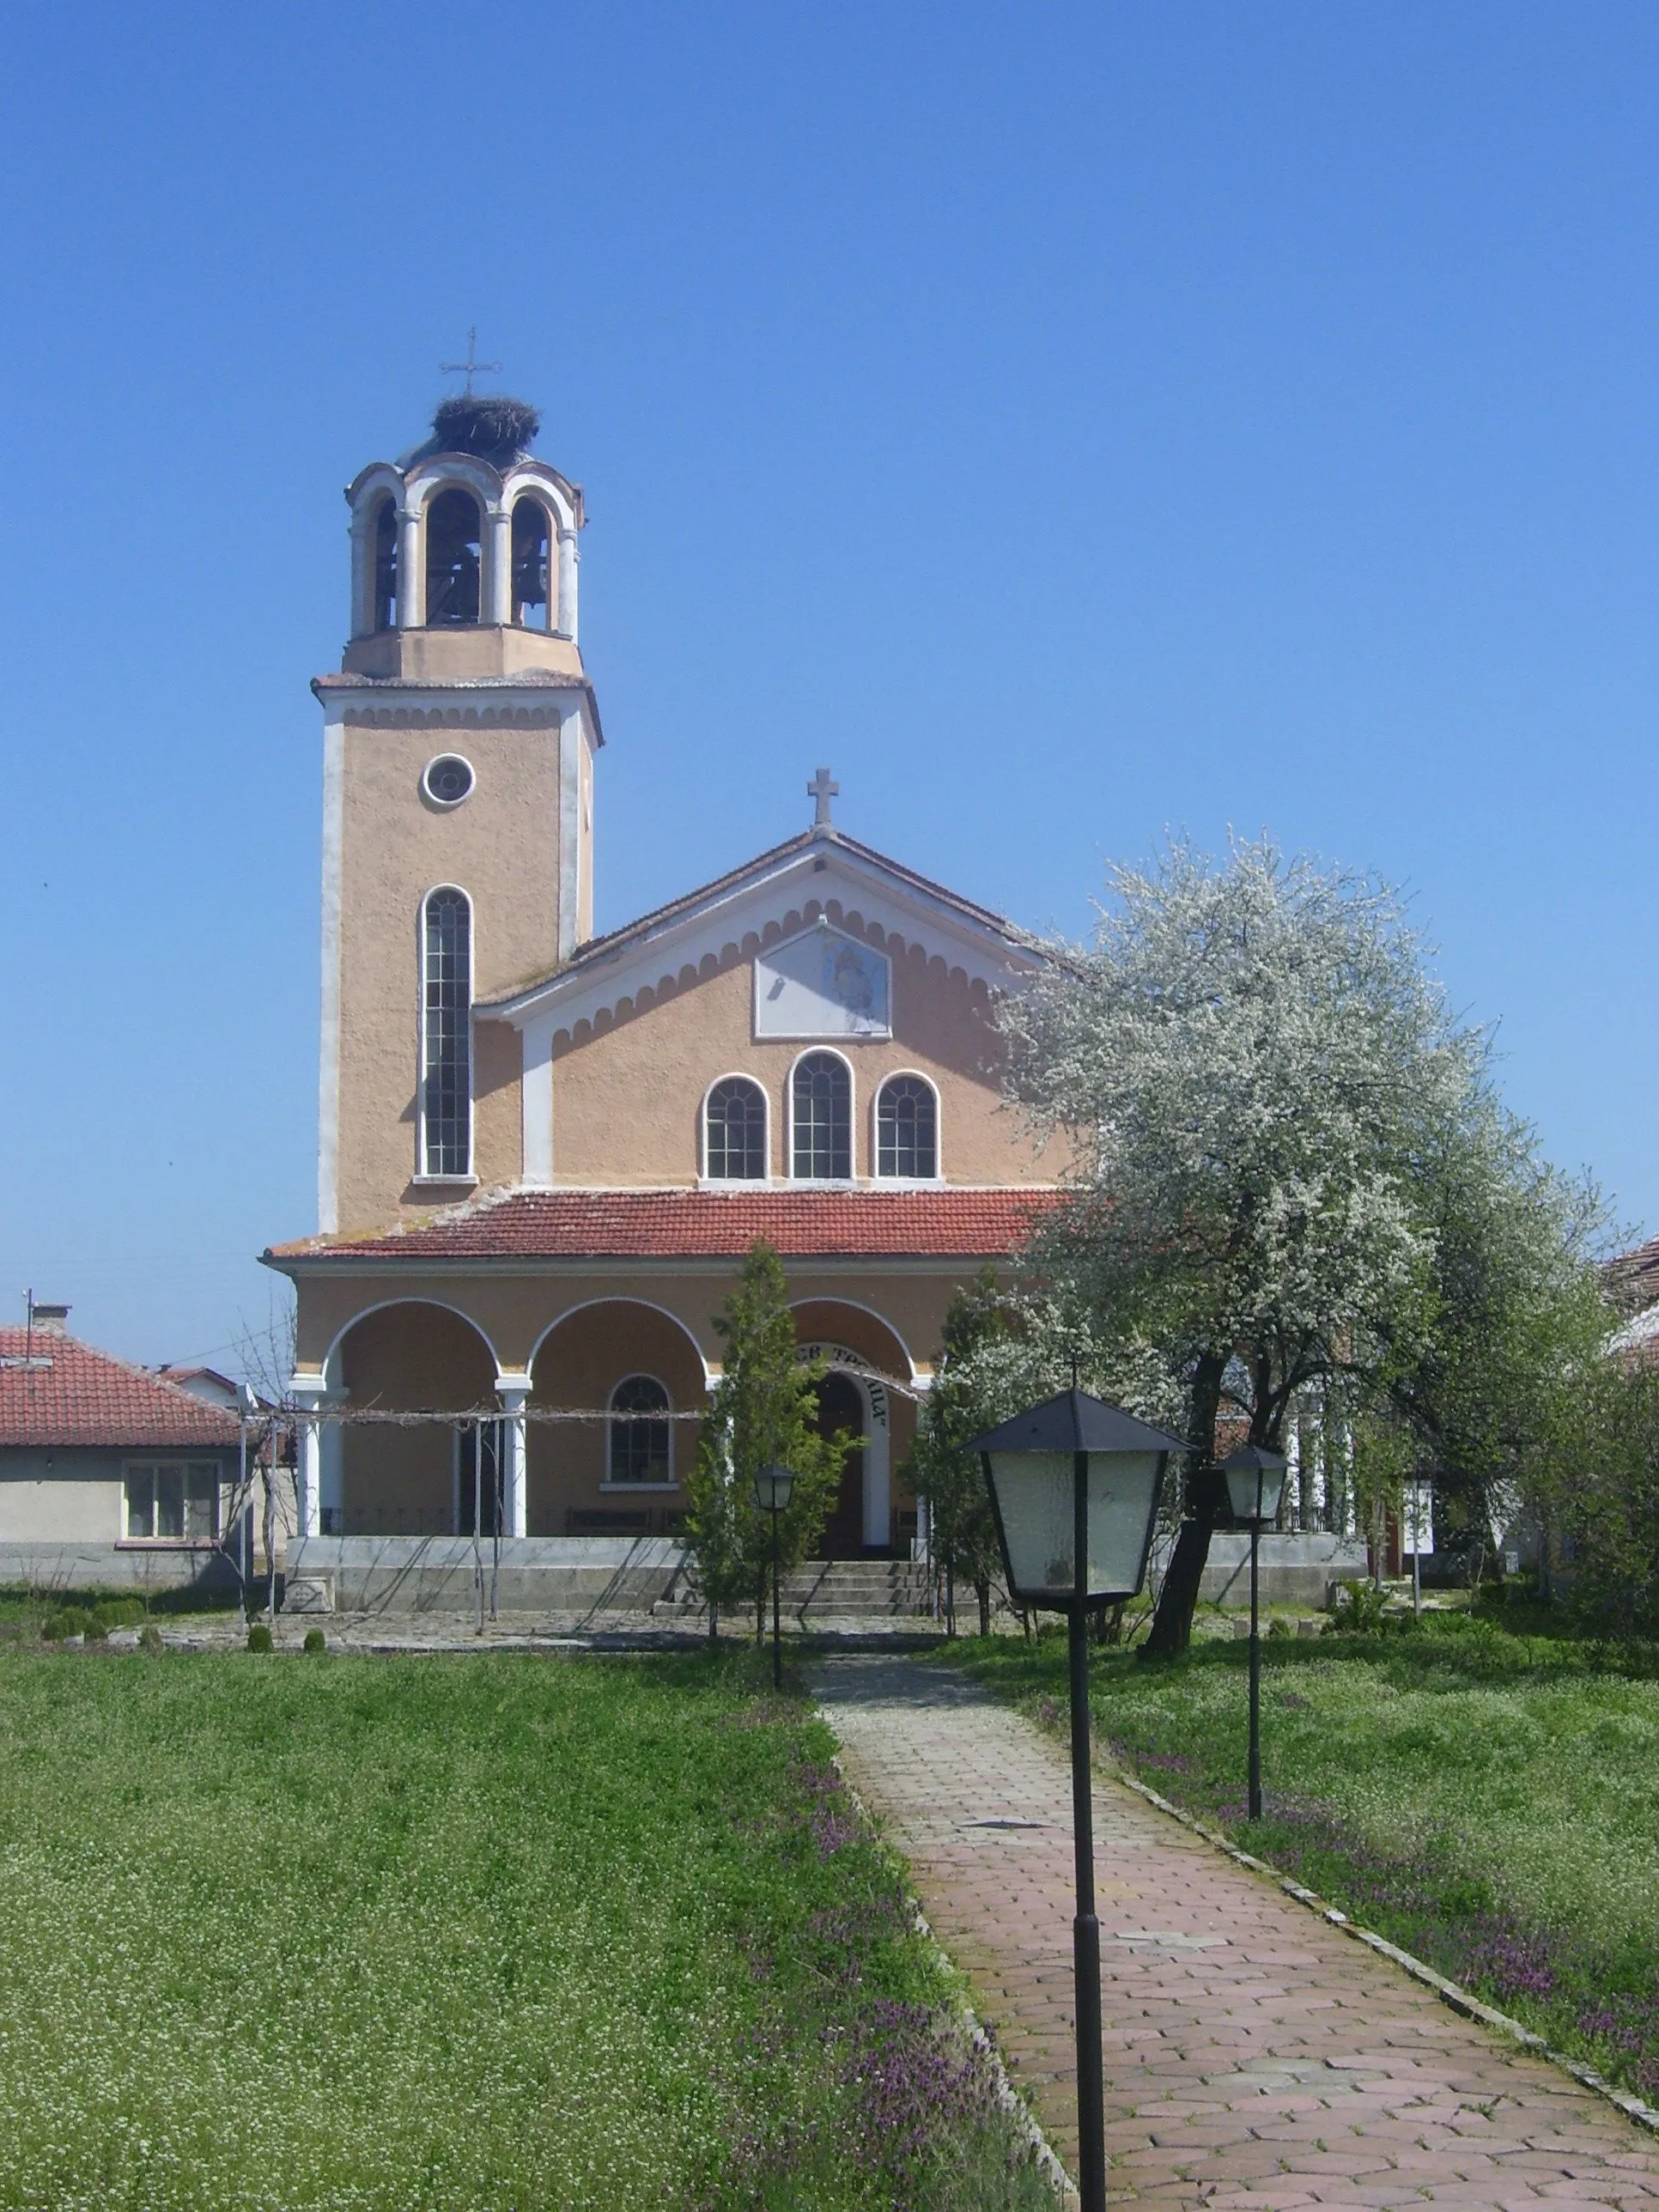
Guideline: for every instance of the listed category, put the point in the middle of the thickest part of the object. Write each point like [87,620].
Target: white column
[309,1391]
[498,567]
[512,1391]
[566,624]
[411,582]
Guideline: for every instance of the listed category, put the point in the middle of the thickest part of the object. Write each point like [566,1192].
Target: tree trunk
[982,1590]
[713,1622]
[1171,1631]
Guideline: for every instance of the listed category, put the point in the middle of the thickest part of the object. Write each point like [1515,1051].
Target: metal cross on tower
[823,791]
[472,365]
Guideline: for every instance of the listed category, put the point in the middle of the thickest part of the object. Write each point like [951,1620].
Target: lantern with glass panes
[1074,1487]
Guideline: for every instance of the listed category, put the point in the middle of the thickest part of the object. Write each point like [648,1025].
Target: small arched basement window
[532,540]
[822,1100]
[907,1129]
[641,1447]
[734,1132]
[453,558]
[384,609]
[447,1034]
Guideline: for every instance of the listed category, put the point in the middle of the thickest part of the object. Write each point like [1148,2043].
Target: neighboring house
[108,1473]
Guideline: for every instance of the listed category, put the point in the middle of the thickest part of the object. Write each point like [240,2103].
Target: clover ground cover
[1488,1801]
[490,1931]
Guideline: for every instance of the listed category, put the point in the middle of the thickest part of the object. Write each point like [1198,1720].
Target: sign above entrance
[823,984]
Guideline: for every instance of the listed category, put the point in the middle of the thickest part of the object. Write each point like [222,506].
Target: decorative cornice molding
[366,717]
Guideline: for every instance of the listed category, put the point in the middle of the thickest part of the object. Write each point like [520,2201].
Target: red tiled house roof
[653,1225]
[82,1396]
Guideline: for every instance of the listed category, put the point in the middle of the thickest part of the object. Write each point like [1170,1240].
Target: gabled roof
[57,1390]
[948,1224]
[1632,1277]
[914,906]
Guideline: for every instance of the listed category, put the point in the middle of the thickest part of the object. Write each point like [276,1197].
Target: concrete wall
[1294,1570]
[60,1495]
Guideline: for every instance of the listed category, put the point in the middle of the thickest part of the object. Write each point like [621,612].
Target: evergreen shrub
[315,1640]
[258,1638]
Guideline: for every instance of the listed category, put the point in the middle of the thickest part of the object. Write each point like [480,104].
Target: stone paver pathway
[1254,2056]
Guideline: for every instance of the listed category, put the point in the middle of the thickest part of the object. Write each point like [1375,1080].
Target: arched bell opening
[404,1478]
[454,559]
[532,539]
[629,1371]
[383,576]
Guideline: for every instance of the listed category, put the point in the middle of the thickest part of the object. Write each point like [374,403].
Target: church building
[542,1154]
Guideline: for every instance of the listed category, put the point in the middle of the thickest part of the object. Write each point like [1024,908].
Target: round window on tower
[448,781]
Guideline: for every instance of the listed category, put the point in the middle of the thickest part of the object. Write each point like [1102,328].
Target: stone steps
[825,1591]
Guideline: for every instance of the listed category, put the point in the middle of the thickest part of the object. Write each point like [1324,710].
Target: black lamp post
[1074,1488]
[1255,1483]
[772,1487]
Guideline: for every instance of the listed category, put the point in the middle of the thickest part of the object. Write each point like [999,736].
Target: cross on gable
[823,790]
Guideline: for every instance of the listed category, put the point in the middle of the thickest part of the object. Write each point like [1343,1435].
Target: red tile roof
[80,1396]
[948,1224]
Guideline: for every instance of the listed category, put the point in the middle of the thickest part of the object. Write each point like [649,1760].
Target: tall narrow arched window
[734,1132]
[530,541]
[822,1103]
[641,1433]
[453,557]
[907,1128]
[447,1034]
[384,608]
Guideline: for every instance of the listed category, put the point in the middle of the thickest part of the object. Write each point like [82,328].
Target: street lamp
[1074,1488]
[773,1487]
[1255,1483]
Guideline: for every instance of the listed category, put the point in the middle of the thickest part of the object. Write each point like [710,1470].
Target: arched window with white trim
[734,1131]
[641,1444]
[907,1129]
[446,1033]
[455,558]
[821,1103]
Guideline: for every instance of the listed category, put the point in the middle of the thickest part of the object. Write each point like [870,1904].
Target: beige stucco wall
[502,847]
[628,1093]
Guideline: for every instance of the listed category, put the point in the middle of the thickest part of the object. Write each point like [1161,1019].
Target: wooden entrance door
[841,1406]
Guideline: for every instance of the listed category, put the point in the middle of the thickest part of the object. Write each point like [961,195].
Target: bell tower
[458,738]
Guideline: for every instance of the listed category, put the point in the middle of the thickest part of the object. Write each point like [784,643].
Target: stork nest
[485,425]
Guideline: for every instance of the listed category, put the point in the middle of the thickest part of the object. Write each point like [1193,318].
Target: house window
[530,538]
[446,1034]
[453,556]
[641,1434]
[173,1500]
[822,1097]
[479,1460]
[907,1129]
[734,1123]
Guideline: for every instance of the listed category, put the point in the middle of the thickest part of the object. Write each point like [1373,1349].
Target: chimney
[48,1321]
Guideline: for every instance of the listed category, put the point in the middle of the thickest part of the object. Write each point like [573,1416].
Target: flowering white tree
[1252,1066]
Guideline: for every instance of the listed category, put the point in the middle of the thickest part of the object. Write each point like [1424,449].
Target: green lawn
[1489,1801]
[482,1932]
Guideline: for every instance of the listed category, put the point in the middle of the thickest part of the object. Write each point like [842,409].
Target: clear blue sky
[1070,423]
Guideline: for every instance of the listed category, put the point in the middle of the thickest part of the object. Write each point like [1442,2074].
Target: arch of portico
[575,1366]
[360,1477]
[871,1355]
